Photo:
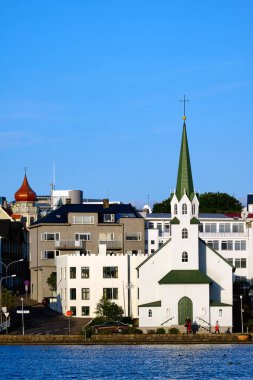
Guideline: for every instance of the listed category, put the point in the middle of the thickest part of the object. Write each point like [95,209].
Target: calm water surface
[127,362]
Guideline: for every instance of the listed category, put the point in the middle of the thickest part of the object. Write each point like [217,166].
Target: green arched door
[184,310]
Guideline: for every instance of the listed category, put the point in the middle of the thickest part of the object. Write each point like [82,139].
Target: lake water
[127,362]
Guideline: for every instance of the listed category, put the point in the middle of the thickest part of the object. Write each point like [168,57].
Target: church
[185,277]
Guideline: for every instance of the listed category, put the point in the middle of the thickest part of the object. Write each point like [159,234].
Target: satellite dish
[244,214]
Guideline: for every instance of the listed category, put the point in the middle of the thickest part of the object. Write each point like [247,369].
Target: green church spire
[184,176]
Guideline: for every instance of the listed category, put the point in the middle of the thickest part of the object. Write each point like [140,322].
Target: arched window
[184,257]
[184,233]
[184,208]
[150,313]
[193,209]
[175,209]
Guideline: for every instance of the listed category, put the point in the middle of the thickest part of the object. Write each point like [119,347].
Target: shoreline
[131,339]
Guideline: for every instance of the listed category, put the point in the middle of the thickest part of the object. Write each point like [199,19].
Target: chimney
[68,201]
[106,203]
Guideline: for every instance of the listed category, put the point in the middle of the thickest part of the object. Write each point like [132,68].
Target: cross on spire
[184,100]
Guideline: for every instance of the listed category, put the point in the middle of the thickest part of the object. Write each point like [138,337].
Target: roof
[159,215]
[185,277]
[219,304]
[25,193]
[60,215]
[184,176]
[152,304]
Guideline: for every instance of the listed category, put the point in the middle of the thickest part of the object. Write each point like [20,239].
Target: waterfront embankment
[131,339]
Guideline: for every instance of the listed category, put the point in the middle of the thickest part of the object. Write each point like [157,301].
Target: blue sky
[94,86]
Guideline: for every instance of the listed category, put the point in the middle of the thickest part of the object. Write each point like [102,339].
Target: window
[150,313]
[83,236]
[220,312]
[237,227]
[184,257]
[72,272]
[184,209]
[50,236]
[230,261]
[72,293]
[85,311]
[85,293]
[85,272]
[240,263]
[224,227]
[227,245]
[166,227]
[83,219]
[46,255]
[159,226]
[210,227]
[240,245]
[193,209]
[110,272]
[152,251]
[184,233]
[175,209]
[201,229]
[109,218]
[213,244]
[151,225]
[152,242]
[110,293]
[138,293]
[106,236]
[133,236]
[73,309]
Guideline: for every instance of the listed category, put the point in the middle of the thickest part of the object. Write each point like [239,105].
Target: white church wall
[220,272]
[223,315]
[150,317]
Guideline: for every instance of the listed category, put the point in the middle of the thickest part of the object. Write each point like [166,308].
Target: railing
[223,234]
[111,244]
[70,244]
[203,327]
[5,325]
[167,321]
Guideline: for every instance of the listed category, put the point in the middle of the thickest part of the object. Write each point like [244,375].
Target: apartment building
[82,230]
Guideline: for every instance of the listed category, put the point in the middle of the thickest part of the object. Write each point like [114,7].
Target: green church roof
[185,277]
[152,304]
[184,177]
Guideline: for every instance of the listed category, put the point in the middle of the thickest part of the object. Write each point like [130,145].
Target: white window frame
[83,219]
[86,236]
[112,218]
[55,235]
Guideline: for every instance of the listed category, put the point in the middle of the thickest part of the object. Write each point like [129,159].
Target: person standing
[217,328]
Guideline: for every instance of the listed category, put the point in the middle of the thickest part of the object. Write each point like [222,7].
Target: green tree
[109,310]
[219,203]
[163,206]
[51,281]
[216,203]
[8,299]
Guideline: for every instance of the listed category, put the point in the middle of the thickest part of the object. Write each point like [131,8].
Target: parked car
[251,293]
[114,327]
[45,301]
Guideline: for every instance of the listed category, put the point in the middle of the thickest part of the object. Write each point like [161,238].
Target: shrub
[160,330]
[132,330]
[151,331]
[173,330]
[127,320]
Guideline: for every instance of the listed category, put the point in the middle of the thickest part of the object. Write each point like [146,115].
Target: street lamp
[241,312]
[3,278]
[7,265]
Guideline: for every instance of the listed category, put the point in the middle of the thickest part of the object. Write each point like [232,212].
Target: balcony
[111,244]
[223,234]
[70,244]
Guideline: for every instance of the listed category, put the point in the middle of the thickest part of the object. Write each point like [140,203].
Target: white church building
[185,277]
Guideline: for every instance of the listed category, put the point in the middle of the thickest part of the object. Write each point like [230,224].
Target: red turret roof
[25,193]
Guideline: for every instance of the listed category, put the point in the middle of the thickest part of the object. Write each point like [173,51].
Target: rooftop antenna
[53,184]
[184,101]
[148,202]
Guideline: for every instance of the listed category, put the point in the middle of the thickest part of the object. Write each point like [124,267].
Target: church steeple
[184,176]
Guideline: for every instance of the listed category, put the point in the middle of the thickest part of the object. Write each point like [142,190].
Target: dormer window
[184,209]
[184,257]
[109,218]
[175,209]
[184,233]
